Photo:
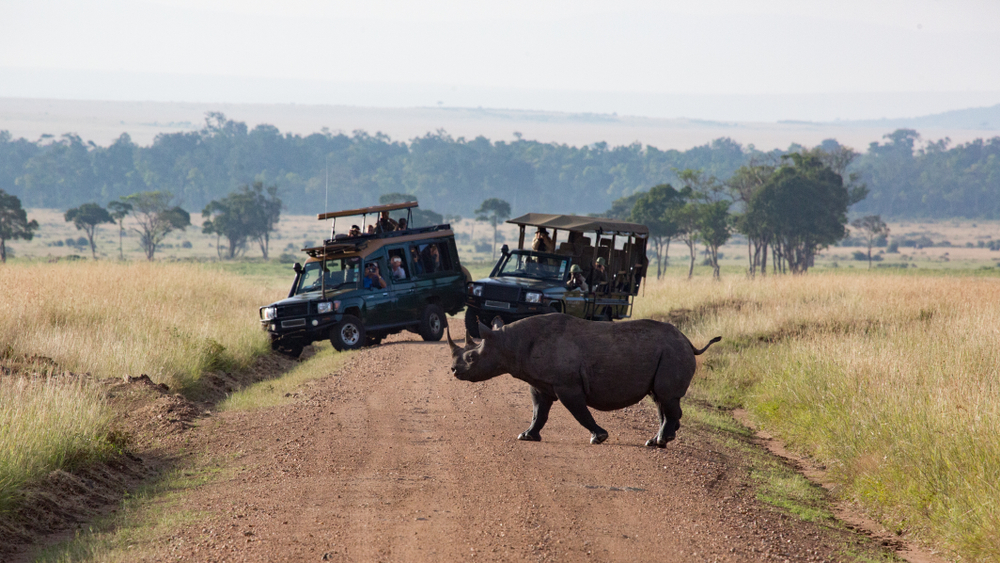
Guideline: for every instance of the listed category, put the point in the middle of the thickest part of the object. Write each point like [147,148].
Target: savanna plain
[886,378]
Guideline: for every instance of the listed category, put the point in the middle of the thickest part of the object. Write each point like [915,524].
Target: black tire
[291,349]
[471,323]
[348,334]
[432,323]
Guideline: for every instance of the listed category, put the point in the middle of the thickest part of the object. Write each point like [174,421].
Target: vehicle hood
[524,283]
[313,296]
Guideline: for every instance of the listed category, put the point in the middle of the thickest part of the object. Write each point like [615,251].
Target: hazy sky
[575,55]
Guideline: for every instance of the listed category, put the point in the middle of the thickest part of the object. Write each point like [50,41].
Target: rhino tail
[698,352]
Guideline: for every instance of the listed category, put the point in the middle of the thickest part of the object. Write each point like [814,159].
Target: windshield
[341,273]
[533,265]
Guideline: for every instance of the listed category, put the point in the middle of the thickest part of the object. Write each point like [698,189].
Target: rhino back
[619,360]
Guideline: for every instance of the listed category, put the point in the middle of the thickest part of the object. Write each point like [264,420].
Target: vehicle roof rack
[367,210]
[578,223]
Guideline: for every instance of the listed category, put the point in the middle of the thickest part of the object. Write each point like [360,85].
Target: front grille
[297,310]
[501,293]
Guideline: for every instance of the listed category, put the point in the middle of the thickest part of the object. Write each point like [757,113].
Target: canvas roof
[367,210]
[577,223]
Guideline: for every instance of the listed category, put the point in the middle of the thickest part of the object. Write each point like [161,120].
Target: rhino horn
[485,331]
[451,342]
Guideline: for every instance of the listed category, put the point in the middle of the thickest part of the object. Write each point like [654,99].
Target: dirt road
[392,459]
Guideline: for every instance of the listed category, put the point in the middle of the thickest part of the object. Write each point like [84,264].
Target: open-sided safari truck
[360,286]
[526,282]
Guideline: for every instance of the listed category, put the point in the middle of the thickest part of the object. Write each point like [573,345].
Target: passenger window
[397,265]
[416,262]
[434,257]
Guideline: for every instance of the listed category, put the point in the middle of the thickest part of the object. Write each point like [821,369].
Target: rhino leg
[575,402]
[670,421]
[542,404]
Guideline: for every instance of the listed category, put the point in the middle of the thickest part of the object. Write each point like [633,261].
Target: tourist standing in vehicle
[542,241]
[385,223]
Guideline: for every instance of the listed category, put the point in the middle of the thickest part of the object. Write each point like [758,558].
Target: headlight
[477,290]
[533,297]
[324,307]
[270,313]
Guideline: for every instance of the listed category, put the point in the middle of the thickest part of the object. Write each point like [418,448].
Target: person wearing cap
[599,274]
[576,280]
[355,231]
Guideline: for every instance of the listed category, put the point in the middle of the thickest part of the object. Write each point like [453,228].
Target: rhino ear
[497,323]
[484,331]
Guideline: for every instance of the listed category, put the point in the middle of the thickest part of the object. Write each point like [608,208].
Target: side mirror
[505,250]
[297,268]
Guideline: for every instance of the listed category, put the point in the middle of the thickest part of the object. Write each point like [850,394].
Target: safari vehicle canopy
[531,281]
[360,286]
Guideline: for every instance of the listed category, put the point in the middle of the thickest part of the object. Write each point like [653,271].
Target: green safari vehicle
[609,255]
[359,287]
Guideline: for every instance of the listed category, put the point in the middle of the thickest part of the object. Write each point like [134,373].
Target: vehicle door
[408,301]
[380,302]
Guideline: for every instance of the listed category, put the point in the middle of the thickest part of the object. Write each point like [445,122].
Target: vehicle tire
[471,323]
[291,349]
[348,334]
[432,323]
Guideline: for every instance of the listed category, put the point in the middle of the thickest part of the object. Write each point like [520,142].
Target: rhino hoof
[529,437]
[598,438]
[651,442]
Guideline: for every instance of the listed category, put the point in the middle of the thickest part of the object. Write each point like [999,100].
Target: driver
[372,278]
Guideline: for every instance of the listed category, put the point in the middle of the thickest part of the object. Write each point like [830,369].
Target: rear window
[430,258]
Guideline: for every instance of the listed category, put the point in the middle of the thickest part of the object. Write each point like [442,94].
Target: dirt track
[394,460]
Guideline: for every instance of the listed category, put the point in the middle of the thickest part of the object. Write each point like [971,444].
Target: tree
[119,211]
[651,209]
[873,227]
[14,222]
[266,214]
[686,217]
[804,207]
[156,219]
[495,211]
[86,218]
[743,185]
[714,228]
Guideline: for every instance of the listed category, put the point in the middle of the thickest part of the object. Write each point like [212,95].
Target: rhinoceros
[606,366]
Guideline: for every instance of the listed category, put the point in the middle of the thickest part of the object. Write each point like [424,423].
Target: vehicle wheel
[290,349]
[471,324]
[348,334]
[432,324]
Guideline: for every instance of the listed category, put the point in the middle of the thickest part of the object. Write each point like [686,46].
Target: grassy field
[891,381]
[173,322]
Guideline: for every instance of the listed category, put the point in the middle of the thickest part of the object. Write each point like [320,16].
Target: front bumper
[304,329]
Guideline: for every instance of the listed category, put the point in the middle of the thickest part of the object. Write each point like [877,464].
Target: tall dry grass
[47,424]
[891,381]
[170,321]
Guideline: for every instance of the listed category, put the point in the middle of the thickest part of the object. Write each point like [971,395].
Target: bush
[893,247]
[186,244]
[286,258]
[859,255]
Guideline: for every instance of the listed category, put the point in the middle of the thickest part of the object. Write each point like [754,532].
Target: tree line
[787,208]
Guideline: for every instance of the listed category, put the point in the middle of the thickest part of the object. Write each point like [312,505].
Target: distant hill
[974,119]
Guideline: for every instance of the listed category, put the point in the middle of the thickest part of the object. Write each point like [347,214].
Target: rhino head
[479,361]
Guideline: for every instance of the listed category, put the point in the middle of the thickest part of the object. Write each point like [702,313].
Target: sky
[711,59]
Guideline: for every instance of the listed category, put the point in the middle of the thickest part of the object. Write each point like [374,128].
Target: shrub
[186,244]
